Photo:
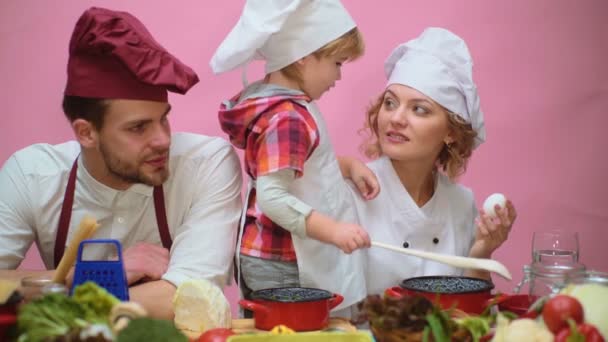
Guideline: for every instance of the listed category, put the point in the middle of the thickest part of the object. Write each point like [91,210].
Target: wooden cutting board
[247,325]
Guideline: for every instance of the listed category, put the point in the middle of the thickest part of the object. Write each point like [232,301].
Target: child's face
[411,126]
[320,74]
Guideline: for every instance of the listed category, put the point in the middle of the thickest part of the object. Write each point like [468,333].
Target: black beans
[446,284]
[291,294]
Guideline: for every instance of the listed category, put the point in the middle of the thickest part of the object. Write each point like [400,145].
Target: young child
[424,127]
[298,204]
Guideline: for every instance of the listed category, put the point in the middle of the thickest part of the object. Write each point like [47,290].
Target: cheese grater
[109,274]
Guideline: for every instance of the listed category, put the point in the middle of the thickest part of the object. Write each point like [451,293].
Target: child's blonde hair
[350,44]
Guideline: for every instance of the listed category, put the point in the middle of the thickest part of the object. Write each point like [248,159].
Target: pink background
[541,68]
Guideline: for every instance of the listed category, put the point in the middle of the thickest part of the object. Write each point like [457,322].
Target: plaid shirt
[276,133]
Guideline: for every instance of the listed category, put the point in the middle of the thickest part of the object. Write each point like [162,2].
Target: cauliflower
[594,298]
[200,305]
[521,330]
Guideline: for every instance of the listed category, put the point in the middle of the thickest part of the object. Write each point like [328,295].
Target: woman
[424,127]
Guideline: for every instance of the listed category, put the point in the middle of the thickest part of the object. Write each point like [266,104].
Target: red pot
[299,308]
[470,295]
[8,314]
[518,304]
[7,321]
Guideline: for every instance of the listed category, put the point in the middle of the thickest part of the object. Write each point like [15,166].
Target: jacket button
[435,240]
[406,244]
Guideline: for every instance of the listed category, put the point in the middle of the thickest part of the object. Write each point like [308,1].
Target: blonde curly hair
[452,159]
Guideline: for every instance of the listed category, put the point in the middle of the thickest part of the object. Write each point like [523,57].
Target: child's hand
[361,175]
[365,180]
[491,232]
[349,237]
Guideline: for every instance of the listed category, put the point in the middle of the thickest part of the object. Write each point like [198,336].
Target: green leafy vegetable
[151,330]
[50,316]
[438,325]
[477,326]
[95,300]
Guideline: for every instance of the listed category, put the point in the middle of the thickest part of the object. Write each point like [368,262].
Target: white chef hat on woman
[281,32]
[439,65]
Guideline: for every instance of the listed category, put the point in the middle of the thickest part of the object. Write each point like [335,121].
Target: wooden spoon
[452,260]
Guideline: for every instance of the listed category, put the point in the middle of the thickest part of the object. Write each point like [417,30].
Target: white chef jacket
[445,224]
[202,199]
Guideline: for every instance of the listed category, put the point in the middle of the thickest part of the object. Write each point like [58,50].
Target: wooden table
[247,325]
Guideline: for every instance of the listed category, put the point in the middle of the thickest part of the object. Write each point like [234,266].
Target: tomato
[584,332]
[559,309]
[216,335]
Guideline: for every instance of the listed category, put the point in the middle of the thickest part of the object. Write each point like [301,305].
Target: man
[172,201]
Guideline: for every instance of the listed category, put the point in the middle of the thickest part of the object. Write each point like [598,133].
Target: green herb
[438,326]
[95,300]
[477,326]
[426,334]
[50,316]
[151,330]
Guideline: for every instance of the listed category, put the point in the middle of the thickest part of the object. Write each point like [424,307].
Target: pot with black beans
[299,308]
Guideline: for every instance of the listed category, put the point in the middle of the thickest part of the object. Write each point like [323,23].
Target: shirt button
[120,220]
[435,240]
[406,244]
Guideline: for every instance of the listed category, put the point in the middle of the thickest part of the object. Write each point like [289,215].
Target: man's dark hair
[86,108]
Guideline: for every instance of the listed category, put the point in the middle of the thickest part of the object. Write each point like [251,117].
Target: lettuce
[95,300]
[151,330]
[50,316]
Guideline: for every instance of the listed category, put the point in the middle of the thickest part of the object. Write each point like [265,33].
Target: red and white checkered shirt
[276,133]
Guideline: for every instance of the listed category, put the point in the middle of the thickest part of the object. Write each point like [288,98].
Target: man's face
[134,142]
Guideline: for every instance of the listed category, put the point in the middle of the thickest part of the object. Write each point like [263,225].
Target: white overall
[322,187]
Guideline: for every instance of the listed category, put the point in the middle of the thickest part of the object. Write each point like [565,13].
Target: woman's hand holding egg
[489,205]
[493,225]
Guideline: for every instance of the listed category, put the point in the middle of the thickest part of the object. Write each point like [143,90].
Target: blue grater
[108,274]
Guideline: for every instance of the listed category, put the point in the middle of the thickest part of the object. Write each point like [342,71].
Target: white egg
[492,201]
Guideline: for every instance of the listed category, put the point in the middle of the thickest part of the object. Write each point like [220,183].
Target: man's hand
[145,261]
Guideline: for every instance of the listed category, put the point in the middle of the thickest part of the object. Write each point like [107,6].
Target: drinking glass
[555,247]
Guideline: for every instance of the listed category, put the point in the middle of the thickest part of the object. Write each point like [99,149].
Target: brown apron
[66,215]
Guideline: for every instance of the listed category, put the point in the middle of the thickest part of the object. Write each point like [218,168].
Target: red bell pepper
[583,332]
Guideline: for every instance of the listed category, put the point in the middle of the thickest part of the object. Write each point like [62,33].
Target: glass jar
[550,279]
[33,287]
[540,279]
[587,277]
[525,281]
[54,288]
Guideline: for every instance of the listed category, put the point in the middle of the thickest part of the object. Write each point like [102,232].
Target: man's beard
[129,172]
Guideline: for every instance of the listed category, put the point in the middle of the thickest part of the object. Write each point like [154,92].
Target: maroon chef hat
[113,56]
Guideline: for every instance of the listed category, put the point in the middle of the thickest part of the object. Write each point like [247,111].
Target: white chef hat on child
[439,65]
[281,32]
